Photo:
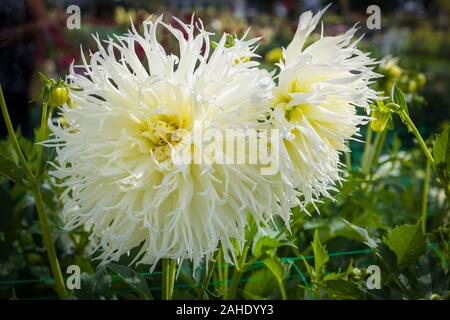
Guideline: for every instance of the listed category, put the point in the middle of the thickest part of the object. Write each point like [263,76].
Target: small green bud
[395,71]
[412,86]
[381,120]
[58,96]
[421,80]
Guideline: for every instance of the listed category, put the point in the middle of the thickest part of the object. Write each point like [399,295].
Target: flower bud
[381,120]
[395,71]
[421,80]
[58,96]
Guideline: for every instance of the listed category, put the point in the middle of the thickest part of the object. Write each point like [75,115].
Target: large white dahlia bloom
[319,89]
[131,118]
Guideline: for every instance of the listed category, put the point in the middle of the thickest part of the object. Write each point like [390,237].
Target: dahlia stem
[426,187]
[39,202]
[208,275]
[168,278]
[410,124]
[219,272]
[238,271]
[49,244]
[377,149]
[282,291]
[407,120]
[348,158]
[173,271]
[15,143]
[42,133]
[231,291]
[367,150]
[222,271]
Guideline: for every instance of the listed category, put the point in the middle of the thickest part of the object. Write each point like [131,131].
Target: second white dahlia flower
[320,87]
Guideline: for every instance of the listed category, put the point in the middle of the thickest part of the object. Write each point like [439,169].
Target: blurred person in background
[21,23]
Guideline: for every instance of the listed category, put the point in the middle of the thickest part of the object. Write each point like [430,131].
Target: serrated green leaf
[388,257]
[399,98]
[431,277]
[276,267]
[320,253]
[95,286]
[343,289]
[441,152]
[10,170]
[265,244]
[364,235]
[407,242]
[261,285]
[133,279]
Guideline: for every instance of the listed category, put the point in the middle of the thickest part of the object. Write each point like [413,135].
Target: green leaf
[407,242]
[95,286]
[399,98]
[431,277]
[261,285]
[343,289]
[441,153]
[364,235]
[320,253]
[441,149]
[265,244]
[389,258]
[133,279]
[276,267]
[251,228]
[10,170]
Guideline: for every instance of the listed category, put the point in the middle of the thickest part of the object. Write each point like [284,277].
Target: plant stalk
[39,202]
[42,133]
[405,116]
[237,273]
[207,277]
[426,187]
[168,278]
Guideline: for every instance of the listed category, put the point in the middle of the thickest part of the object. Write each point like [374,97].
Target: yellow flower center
[162,131]
[293,113]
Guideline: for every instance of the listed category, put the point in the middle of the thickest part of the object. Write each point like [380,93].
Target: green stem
[207,277]
[377,149]
[426,187]
[282,291]
[348,158]
[167,278]
[405,117]
[232,289]
[238,271]
[35,189]
[366,156]
[42,136]
[220,270]
[409,123]
[15,142]
[49,244]
[173,271]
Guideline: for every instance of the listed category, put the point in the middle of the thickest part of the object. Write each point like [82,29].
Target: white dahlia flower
[115,156]
[319,89]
